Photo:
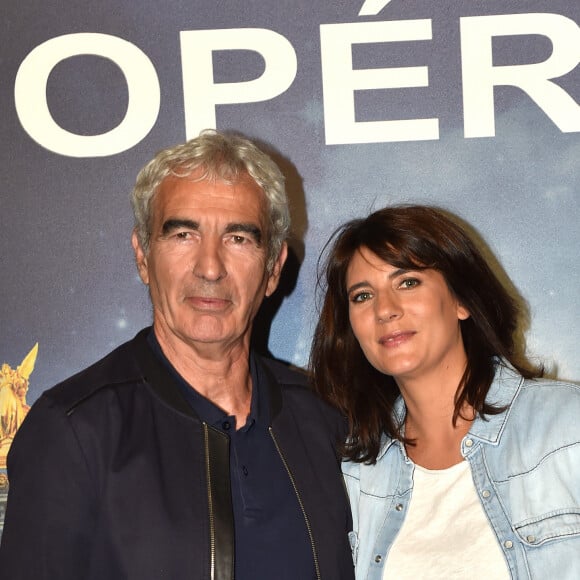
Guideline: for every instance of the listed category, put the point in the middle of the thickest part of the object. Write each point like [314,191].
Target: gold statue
[13,406]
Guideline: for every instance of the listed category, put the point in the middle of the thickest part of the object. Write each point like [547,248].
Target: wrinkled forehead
[241,182]
[217,170]
[210,201]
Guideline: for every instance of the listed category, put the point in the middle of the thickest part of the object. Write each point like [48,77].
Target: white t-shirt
[446,533]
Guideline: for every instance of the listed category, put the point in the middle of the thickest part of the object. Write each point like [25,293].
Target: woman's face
[406,322]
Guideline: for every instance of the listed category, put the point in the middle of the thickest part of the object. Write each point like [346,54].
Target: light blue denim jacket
[525,464]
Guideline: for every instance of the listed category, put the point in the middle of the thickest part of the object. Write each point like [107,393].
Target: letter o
[32,107]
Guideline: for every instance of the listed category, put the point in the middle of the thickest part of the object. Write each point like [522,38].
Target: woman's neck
[436,440]
[429,421]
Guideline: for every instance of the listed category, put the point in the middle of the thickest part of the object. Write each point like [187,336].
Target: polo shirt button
[226,425]
[508,544]
[378,558]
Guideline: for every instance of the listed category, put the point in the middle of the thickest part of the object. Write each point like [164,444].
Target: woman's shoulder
[544,406]
[551,391]
[387,455]
[511,390]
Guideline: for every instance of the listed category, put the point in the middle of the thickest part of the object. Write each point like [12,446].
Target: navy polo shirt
[270,532]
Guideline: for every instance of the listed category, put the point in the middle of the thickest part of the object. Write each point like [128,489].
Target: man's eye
[183,235]
[238,239]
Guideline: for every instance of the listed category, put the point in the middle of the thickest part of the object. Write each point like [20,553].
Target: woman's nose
[387,307]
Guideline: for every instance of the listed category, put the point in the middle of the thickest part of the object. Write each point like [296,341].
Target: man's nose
[209,263]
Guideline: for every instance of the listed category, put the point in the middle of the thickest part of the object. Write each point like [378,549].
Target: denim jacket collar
[503,390]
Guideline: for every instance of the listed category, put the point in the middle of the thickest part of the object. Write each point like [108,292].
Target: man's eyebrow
[247,228]
[171,225]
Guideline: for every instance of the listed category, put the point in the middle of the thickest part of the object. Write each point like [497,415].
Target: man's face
[206,262]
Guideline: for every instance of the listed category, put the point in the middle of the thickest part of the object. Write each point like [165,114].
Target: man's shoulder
[118,367]
[291,382]
[285,373]
[297,393]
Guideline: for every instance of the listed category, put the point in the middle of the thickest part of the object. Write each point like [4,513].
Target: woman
[460,463]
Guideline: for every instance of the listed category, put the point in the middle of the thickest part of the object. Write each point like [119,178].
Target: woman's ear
[462,312]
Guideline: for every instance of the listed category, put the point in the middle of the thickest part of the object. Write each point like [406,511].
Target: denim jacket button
[486,493]
[378,558]
[531,539]
[508,544]
[468,442]
[399,507]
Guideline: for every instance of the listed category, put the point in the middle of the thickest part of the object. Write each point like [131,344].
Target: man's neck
[220,373]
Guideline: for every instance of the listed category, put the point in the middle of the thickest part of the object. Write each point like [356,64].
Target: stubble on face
[206,263]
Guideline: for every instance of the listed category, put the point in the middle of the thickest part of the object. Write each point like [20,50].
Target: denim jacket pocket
[564,523]
[353,541]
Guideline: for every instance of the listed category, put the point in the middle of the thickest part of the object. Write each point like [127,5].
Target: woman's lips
[395,339]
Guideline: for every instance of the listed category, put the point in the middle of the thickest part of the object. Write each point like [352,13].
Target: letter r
[480,76]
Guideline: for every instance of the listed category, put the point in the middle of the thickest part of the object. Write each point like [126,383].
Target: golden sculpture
[13,406]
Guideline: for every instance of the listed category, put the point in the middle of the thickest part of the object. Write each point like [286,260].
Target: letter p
[202,94]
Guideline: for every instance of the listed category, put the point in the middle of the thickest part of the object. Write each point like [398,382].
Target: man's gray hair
[217,156]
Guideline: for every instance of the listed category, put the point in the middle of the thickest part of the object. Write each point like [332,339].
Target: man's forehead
[205,176]
[175,186]
[218,200]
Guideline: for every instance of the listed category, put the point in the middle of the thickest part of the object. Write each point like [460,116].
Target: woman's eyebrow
[391,276]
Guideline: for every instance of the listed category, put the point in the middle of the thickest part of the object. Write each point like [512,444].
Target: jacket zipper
[210,505]
[307,521]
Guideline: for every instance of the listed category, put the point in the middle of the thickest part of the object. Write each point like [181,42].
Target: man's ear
[140,258]
[274,277]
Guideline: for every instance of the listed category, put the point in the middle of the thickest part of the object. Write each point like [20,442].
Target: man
[182,454]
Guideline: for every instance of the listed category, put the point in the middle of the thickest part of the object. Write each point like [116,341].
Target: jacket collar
[158,376]
[160,379]
[270,385]
[502,393]
[503,390]
[399,410]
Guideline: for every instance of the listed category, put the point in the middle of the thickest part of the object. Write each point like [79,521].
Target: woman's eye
[409,283]
[361,297]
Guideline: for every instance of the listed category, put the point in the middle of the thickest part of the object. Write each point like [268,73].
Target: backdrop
[470,105]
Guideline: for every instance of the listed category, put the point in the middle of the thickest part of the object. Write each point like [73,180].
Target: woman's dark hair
[412,238]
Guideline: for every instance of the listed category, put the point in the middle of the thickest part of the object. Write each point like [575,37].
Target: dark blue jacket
[113,476]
